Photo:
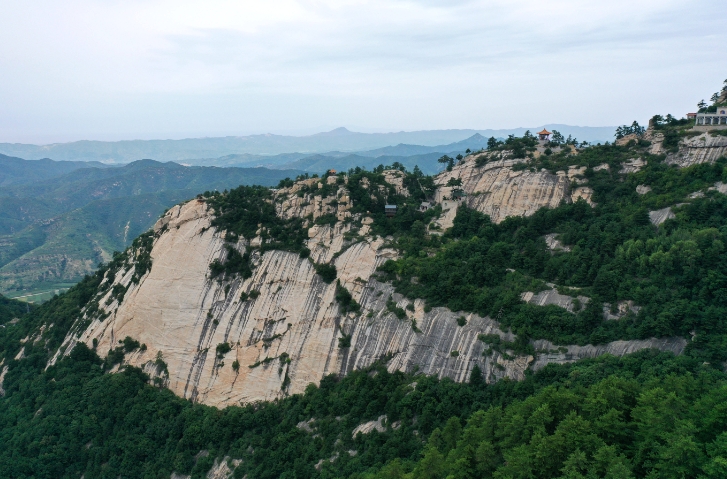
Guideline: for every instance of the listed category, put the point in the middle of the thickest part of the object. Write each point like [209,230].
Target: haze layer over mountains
[340,139]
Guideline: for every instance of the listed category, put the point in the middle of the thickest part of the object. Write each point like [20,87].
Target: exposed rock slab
[499,191]
[632,165]
[288,337]
[704,148]
[554,244]
[2,378]
[370,426]
[657,217]
[583,192]
[615,348]
[643,189]
[182,315]
[552,296]
[720,187]
[622,309]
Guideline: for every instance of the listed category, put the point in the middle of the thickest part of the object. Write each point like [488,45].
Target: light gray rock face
[632,166]
[370,426]
[551,354]
[720,187]
[622,309]
[554,244]
[657,217]
[552,296]
[704,148]
[289,336]
[643,189]
[499,191]
[3,372]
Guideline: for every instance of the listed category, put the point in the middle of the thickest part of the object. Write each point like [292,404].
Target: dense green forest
[11,309]
[644,413]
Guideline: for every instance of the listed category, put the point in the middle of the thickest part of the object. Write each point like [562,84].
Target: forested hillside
[55,228]
[634,249]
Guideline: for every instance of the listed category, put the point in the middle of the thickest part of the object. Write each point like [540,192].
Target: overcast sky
[131,69]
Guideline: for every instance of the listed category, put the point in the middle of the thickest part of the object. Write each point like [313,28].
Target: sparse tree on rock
[701,104]
[558,138]
[449,161]
[637,129]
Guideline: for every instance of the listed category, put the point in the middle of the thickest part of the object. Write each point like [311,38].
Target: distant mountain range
[338,140]
[16,171]
[58,221]
[425,157]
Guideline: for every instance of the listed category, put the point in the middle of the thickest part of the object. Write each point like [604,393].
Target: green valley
[55,230]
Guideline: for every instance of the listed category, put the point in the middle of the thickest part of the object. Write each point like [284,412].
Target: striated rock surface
[499,191]
[3,372]
[289,333]
[633,165]
[657,217]
[552,296]
[370,426]
[703,148]
[293,333]
[569,354]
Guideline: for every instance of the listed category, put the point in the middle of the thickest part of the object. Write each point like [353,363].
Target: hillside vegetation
[54,231]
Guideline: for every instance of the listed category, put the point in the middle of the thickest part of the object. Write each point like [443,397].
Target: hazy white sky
[170,69]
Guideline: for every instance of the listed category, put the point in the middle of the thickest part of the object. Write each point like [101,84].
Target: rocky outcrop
[231,341]
[703,148]
[643,189]
[3,372]
[287,337]
[657,217]
[499,191]
[719,187]
[370,426]
[583,193]
[554,244]
[550,353]
[552,296]
[632,165]
[622,308]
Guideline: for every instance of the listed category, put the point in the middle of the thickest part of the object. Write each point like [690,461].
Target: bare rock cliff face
[196,328]
[499,191]
[704,148]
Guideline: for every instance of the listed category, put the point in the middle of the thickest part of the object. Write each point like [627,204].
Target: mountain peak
[341,131]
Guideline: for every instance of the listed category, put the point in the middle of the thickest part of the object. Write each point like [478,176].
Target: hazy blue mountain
[339,139]
[409,155]
[16,171]
[247,160]
[319,163]
[475,142]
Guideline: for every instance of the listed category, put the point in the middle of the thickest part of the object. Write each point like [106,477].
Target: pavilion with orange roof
[544,135]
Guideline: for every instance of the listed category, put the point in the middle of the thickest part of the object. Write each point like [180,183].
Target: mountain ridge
[268,144]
